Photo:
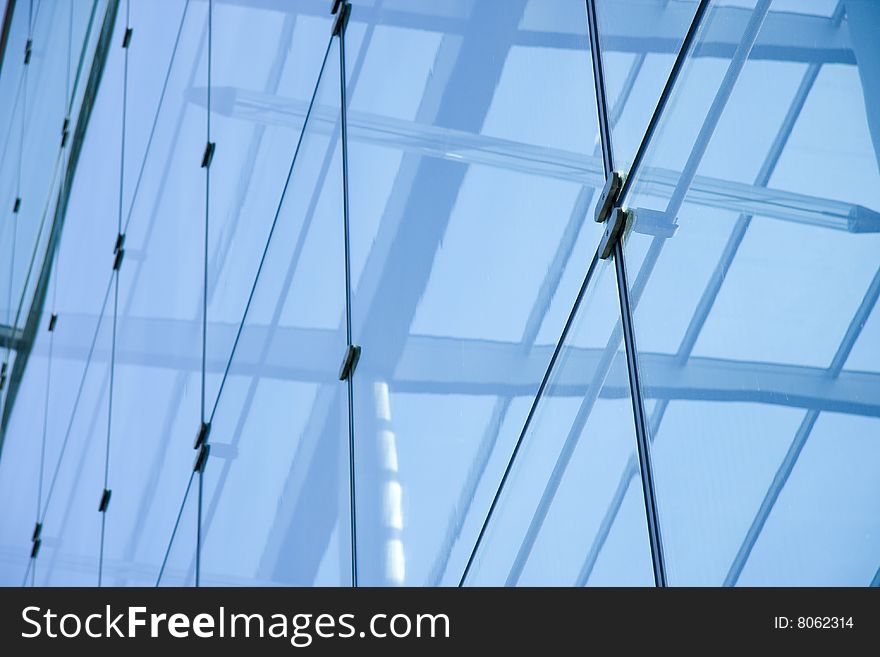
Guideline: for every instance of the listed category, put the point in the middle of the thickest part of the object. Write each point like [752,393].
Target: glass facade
[311,292]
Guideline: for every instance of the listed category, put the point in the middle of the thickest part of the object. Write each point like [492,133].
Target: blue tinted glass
[265,66]
[751,302]
[470,228]
[571,512]
[276,506]
[178,567]
[44,104]
[75,480]
[639,41]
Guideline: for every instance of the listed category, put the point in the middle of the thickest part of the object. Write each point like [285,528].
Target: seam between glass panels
[347,256]
[115,278]
[208,145]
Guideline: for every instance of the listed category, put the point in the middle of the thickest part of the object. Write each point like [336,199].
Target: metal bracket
[335,6]
[653,222]
[120,241]
[208,155]
[16,206]
[105,501]
[38,529]
[202,458]
[28,48]
[352,355]
[35,550]
[202,436]
[53,320]
[341,19]
[3,369]
[117,261]
[613,231]
[608,197]
[126,39]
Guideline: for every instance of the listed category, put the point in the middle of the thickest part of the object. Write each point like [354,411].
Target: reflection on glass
[264,67]
[276,505]
[572,512]
[751,304]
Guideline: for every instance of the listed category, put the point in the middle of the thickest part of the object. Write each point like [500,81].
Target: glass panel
[749,306]
[265,66]
[276,508]
[74,482]
[473,161]
[157,390]
[572,511]
[639,41]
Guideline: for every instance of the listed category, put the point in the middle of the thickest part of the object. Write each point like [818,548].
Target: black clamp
[126,39]
[613,231]
[65,131]
[611,214]
[28,48]
[53,320]
[117,261]
[202,435]
[349,362]
[35,539]
[208,155]
[16,206]
[608,197]
[342,11]
[105,501]
[3,369]
[202,458]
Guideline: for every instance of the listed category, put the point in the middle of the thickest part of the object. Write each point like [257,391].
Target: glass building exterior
[302,292]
